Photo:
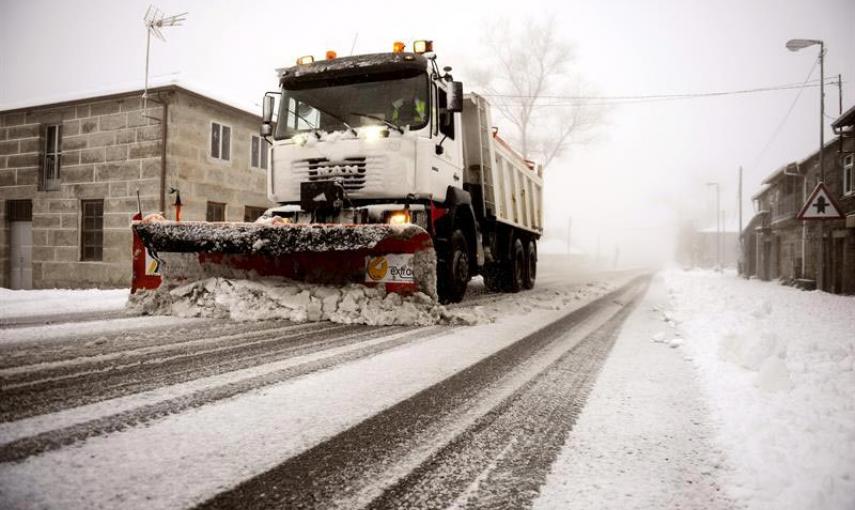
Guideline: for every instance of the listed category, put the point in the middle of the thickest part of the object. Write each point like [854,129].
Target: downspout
[164,122]
[164,129]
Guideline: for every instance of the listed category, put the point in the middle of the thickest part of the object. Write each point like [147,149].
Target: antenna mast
[154,21]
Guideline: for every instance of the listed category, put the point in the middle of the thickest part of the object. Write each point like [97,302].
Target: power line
[630,99]
[786,116]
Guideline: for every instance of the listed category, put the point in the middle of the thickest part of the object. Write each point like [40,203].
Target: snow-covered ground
[719,383]
[31,303]
[777,366]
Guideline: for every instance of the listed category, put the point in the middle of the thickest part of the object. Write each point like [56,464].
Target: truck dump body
[512,187]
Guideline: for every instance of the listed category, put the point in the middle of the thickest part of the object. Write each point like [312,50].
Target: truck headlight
[374,132]
[399,218]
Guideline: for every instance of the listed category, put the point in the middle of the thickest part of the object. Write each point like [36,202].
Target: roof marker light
[331,54]
[422,46]
[308,59]
[398,47]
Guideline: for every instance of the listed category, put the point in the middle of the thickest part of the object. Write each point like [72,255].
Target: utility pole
[796,45]
[839,94]
[717,223]
[820,263]
[739,234]
[569,229]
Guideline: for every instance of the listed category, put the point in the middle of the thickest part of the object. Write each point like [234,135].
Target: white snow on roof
[136,86]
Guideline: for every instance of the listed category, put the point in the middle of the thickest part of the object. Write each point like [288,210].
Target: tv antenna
[155,20]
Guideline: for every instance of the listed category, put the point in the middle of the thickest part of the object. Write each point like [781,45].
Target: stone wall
[110,150]
[201,178]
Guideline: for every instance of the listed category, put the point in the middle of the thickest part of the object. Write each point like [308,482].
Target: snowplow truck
[385,174]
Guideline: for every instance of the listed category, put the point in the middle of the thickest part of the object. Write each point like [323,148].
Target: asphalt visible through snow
[496,461]
[482,438]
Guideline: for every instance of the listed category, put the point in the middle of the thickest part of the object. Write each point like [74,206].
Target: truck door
[448,166]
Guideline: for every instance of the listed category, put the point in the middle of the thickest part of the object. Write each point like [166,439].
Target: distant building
[71,172]
[778,246]
[706,249]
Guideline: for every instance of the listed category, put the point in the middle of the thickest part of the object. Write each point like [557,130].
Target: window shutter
[227,140]
[42,154]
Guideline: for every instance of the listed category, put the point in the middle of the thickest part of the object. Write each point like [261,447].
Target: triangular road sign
[820,205]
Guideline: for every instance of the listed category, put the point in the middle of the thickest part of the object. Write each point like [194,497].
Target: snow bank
[250,300]
[32,303]
[777,364]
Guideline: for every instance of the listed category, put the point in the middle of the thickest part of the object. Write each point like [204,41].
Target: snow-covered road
[718,393]
[186,410]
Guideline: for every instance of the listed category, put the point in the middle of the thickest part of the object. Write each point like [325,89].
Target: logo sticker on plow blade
[393,267]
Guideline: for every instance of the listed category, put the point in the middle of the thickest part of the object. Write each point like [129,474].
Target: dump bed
[512,188]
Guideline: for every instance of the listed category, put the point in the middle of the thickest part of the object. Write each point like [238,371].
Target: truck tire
[530,265]
[453,270]
[515,276]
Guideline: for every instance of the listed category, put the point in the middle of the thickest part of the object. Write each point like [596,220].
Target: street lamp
[717,223]
[796,45]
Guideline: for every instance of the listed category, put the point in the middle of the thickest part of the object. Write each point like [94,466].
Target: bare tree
[529,79]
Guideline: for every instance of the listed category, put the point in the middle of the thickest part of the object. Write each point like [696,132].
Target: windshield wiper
[311,126]
[390,124]
[338,118]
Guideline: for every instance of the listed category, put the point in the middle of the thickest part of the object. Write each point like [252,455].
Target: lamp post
[717,223]
[796,45]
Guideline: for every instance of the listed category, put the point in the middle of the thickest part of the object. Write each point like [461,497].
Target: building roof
[763,189]
[847,119]
[788,169]
[126,89]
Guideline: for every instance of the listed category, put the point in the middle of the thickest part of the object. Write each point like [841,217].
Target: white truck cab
[388,137]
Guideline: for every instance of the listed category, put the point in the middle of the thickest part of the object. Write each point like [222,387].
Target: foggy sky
[645,173]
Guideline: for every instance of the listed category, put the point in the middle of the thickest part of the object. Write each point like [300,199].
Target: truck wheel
[530,265]
[516,274]
[453,271]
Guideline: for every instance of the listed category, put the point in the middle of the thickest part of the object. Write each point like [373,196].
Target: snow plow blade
[399,257]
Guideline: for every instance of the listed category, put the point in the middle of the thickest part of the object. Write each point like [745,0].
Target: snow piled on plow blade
[314,253]
[259,271]
[250,300]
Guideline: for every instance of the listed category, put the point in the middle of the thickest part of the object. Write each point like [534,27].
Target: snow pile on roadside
[31,303]
[777,364]
[250,300]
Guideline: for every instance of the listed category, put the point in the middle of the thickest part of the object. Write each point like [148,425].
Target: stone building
[73,173]
[778,246]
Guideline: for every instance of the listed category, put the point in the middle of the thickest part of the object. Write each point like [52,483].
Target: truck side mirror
[455,97]
[267,110]
[268,105]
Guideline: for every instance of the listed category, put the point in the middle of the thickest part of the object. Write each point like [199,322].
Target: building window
[258,153]
[251,213]
[49,177]
[216,211]
[221,141]
[19,210]
[849,174]
[92,230]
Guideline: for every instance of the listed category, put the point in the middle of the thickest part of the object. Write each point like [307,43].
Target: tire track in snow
[86,388]
[71,367]
[395,336]
[501,461]
[346,464]
[81,345]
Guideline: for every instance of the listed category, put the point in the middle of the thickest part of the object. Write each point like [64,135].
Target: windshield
[395,103]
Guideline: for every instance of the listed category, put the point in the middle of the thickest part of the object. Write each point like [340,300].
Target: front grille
[350,172]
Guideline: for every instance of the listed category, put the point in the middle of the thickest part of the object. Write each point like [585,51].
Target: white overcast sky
[645,173]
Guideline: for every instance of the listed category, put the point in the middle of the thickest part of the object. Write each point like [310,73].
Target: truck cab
[381,125]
